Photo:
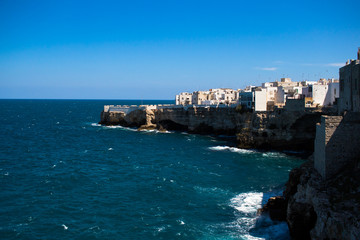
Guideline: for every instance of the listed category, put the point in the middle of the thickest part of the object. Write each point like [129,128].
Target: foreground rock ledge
[317,208]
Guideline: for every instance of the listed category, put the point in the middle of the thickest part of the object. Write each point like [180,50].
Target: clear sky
[155,49]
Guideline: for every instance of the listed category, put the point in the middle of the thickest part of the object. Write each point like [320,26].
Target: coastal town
[319,117]
[283,93]
[267,96]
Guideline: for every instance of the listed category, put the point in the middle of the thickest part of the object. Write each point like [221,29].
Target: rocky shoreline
[313,207]
[277,130]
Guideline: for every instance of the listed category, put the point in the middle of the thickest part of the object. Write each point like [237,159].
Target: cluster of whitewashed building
[211,97]
[271,94]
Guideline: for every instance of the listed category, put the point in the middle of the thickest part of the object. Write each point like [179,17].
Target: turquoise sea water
[63,176]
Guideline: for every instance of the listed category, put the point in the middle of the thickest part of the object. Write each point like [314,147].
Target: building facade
[350,86]
[183,98]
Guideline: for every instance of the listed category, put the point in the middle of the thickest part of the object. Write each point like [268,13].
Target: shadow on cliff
[172,126]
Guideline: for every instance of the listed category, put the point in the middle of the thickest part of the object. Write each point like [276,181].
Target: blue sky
[155,49]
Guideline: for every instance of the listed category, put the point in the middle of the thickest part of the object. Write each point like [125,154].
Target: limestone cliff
[323,209]
[322,197]
[280,129]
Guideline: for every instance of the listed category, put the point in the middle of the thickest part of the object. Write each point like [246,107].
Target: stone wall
[350,87]
[337,143]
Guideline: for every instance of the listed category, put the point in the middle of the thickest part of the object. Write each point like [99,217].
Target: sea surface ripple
[63,176]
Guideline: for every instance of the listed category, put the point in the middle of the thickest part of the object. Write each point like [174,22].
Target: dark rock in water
[276,208]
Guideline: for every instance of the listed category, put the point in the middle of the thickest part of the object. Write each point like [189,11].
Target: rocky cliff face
[281,129]
[320,209]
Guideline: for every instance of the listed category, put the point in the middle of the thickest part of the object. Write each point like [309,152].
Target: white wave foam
[249,237]
[215,174]
[112,127]
[154,131]
[247,202]
[160,229]
[120,127]
[181,222]
[110,149]
[273,154]
[249,225]
[231,149]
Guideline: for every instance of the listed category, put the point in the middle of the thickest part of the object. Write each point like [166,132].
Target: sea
[64,176]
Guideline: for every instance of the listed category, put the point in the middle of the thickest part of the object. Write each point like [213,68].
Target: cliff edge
[323,209]
[277,130]
[322,197]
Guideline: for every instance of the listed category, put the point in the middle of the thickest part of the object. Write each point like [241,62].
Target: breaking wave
[254,227]
[128,128]
[247,203]
[231,149]
[153,131]
[113,127]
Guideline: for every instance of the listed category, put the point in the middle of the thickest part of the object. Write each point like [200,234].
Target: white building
[198,97]
[271,94]
[183,98]
[319,93]
[260,102]
[280,96]
[254,98]
[323,93]
[223,95]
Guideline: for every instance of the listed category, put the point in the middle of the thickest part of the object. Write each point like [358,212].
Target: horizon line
[132,99]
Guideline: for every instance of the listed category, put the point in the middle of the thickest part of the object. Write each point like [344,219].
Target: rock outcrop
[276,208]
[329,209]
[321,209]
[280,129]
